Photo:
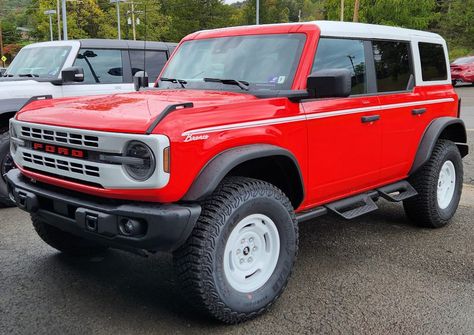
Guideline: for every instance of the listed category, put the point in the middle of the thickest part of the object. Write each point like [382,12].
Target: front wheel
[240,255]
[439,186]
[6,164]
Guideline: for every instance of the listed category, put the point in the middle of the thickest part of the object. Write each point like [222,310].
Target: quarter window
[100,66]
[392,66]
[155,60]
[433,62]
[335,53]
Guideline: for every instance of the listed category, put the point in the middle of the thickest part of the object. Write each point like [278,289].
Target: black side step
[397,192]
[311,214]
[354,207]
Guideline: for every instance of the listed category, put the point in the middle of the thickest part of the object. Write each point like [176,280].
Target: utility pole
[133,22]
[356,11]
[58,13]
[64,20]
[342,10]
[257,19]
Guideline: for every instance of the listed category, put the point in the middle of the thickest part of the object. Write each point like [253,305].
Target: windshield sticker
[272,80]
[281,79]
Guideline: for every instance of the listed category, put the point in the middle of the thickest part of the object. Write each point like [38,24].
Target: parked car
[249,131]
[68,69]
[462,70]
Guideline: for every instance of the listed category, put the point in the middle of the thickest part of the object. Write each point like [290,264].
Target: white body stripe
[311,116]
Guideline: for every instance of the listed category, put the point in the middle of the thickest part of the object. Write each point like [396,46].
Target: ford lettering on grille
[62,151]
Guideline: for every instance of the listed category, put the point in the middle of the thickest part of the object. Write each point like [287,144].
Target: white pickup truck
[68,69]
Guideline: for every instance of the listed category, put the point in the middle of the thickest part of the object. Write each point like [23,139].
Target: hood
[15,88]
[125,113]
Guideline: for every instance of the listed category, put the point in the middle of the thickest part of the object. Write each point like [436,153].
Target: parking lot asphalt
[374,275]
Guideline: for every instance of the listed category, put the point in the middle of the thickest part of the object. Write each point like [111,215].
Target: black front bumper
[165,226]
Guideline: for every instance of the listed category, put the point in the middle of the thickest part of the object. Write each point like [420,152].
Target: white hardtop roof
[364,30]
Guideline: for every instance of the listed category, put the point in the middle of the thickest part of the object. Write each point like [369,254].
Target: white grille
[60,164]
[41,134]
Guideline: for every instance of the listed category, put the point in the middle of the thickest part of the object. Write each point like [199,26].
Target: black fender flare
[433,132]
[16,104]
[219,166]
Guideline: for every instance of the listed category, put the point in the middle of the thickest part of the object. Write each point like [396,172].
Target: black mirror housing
[330,83]
[73,75]
[140,79]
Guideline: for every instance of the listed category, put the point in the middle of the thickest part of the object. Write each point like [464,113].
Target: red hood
[125,113]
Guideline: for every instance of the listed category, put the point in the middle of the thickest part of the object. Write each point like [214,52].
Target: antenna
[144,51]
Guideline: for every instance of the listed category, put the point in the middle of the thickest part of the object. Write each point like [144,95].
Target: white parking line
[470,130]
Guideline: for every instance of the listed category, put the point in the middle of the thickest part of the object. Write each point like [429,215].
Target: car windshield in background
[236,63]
[39,62]
[464,60]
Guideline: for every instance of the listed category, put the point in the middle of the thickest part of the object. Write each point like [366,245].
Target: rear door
[344,134]
[104,73]
[153,63]
[400,106]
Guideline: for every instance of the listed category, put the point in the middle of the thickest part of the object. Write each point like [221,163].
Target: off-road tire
[5,200]
[199,262]
[65,242]
[424,210]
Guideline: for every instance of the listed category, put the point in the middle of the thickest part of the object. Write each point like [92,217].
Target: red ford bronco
[248,131]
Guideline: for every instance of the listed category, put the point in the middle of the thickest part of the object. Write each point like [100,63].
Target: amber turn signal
[166,159]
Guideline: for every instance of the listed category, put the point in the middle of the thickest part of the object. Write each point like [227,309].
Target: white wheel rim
[446,184]
[251,253]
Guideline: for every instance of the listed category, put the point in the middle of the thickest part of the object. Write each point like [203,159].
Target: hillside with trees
[170,20]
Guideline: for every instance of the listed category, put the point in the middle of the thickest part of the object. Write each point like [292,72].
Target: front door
[344,134]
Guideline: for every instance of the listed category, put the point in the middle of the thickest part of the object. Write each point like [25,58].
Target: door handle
[418,111]
[371,118]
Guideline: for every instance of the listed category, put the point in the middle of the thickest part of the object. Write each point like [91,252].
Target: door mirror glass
[140,79]
[73,75]
[330,83]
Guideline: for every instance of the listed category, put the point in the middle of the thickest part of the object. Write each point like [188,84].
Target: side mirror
[73,75]
[140,79]
[2,71]
[330,83]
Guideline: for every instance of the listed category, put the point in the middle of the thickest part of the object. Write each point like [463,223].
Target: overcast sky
[231,1]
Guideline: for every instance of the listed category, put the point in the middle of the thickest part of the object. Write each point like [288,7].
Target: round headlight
[145,161]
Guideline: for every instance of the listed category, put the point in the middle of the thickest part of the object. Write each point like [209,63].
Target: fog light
[131,227]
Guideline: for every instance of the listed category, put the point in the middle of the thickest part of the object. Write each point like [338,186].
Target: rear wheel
[6,164]
[439,186]
[240,255]
[65,242]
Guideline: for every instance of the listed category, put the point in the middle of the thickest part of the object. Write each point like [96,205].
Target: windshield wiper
[242,84]
[28,75]
[176,81]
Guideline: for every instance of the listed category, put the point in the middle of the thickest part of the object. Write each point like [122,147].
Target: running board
[361,204]
[397,192]
[354,207]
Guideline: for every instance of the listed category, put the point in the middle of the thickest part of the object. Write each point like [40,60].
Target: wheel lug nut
[243,241]
[250,260]
[241,260]
[254,249]
[238,251]
[251,240]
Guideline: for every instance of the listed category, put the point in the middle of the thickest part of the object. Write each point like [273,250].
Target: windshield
[232,63]
[464,60]
[42,62]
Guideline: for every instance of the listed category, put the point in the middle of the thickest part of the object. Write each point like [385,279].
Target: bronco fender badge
[190,138]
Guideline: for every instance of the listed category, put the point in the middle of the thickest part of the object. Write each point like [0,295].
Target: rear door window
[392,65]
[100,66]
[433,62]
[155,61]
[337,53]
